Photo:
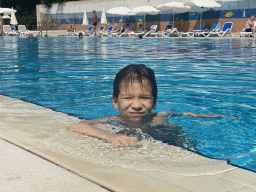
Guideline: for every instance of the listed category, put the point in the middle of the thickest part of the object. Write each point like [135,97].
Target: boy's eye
[127,98]
[145,97]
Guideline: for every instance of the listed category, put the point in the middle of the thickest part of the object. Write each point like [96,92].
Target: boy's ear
[115,102]
[154,106]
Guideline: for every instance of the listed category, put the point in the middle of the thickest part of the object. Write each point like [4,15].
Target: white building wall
[78,7]
[98,5]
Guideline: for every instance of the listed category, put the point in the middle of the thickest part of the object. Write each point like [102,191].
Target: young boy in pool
[134,95]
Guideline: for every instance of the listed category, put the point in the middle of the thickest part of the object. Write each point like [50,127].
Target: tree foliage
[26,12]
[48,3]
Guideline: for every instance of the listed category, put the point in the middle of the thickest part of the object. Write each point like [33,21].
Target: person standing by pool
[1,24]
[249,26]
[135,96]
[94,22]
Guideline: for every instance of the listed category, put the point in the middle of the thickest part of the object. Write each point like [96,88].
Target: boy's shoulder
[165,113]
[160,117]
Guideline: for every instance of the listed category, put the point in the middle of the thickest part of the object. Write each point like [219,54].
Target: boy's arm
[170,113]
[199,115]
[86,127]
[208,116]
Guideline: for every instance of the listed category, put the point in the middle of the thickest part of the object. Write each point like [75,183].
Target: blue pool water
[196,75]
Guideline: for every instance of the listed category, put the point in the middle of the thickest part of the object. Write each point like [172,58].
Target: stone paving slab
[22,171]
[209,183]
[43,132]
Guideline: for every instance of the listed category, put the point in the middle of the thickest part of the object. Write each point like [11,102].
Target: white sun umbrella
[85,20]
[225,0]
[6,17]
[7,11]
[13,18]
[120,11]
[177,7]
[202,4]
[103,17]
[146,10]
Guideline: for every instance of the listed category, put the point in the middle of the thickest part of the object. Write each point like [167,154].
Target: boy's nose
[136,104]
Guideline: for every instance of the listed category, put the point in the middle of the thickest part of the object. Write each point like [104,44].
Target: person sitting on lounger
[127,28]
[172,29]
[249,26]
[121,29]
[71,28]
[140,29]
[100,30]
[169,30]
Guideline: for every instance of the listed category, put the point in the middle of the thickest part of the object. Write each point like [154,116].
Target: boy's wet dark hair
[135,73]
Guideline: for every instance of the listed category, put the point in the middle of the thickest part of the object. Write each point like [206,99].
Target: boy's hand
[123,140]
[86,128]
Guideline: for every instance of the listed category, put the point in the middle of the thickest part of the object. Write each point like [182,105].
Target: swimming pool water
[197,75]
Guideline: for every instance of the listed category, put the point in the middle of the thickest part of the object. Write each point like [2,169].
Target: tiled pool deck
[27,165]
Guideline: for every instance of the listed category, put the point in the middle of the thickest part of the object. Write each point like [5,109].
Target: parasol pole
[144,21]
[173,19]
[201,16]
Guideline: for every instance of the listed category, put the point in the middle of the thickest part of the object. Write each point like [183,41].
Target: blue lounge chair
[205,33]
[163,33]
[152,31]
[200,28]
[215,27]
[167,28]
[226,29]
[88,32]
[109,31]
[142,32]
[172,33]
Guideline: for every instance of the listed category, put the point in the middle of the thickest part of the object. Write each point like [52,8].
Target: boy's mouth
[136,114]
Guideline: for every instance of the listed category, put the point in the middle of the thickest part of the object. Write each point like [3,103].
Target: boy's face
[135,102]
